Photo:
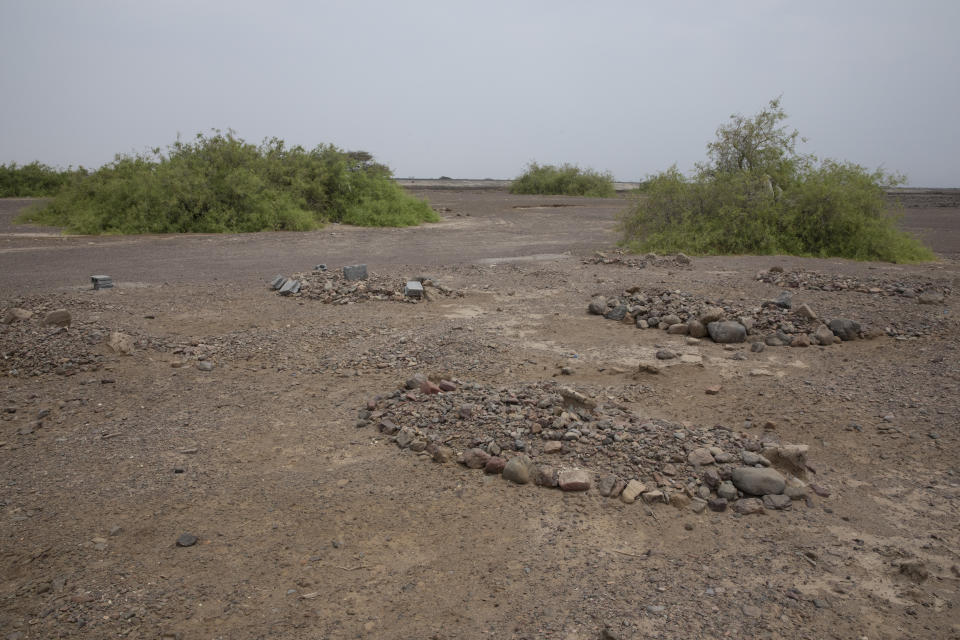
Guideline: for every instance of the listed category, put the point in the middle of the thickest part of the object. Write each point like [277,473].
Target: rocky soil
[208,459]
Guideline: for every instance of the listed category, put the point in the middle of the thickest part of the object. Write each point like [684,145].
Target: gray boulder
[846,329]
[758,482]
[727,332]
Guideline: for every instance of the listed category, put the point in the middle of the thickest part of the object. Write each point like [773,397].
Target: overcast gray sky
[479,89]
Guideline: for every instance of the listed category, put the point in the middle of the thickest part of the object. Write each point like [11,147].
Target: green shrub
[757,196]
[566,180]
[32,180]
[219,183]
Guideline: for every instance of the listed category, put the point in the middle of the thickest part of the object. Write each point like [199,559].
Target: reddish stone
[573,480]
[446,385]
[428,387]
[495,465]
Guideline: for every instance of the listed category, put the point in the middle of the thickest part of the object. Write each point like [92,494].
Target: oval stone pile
[555,436]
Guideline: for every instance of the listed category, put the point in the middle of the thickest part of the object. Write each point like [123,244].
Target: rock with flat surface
[16,315]
[58,318]
[748,506]
[573,480]
[758,482]
[632,491]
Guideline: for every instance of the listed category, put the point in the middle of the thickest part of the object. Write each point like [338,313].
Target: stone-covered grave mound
[556,436]
[772,323]
[334,287]
[36,340]
[639,262]
[923,291]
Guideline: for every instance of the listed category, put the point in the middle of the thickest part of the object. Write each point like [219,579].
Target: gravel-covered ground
[328,453]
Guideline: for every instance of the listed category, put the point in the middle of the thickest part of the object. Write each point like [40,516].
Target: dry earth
[310,527]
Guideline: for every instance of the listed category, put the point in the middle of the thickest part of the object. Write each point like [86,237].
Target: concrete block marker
[102,282]
[277,282]
[290,287]
[355,272]
[413,289]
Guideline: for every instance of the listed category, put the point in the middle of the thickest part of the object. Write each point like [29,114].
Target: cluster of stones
[333,287]
[923,292]
[32,344]
[639,262]
[555,436]
[774,323]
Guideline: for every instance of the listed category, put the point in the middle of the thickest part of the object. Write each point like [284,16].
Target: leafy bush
[756,195]
[32,180]
[219,183]
[566,180]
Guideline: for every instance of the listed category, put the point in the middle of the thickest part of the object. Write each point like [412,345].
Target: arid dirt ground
[310,527]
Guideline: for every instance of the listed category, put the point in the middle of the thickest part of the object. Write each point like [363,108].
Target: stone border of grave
[748,483]
[774,323]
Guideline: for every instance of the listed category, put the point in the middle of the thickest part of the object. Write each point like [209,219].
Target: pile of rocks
[923,292]
[556,436]
[772,323]
[334,287]
[33,344]
[639,262]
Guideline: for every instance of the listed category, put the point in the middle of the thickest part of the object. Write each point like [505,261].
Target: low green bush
[33,180]
[565,180]
[757,196]
[220,183]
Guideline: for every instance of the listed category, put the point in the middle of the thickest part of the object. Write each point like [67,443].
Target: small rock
[429,388]
[679,329]
[552,446]
[16,315]
[757,347]
[727,491]
[617,313]
[748,506]
[777,502]
[475,458]
[665,354]
[494,465]
[713,390]
[696,329]
[711,314]
[800,340]
[59,318]
[700,457]
[186,540]
[845,329]
[597,306]
[823,335]
[120,343]
[751,611]
[517,470]
[545,476]
[717,504]
[573,480]
[608,485]
[632,491]
[930,297]
[205,365]
[805,312]
[443,454]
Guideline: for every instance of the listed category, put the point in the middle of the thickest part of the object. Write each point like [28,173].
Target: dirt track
[310,527]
